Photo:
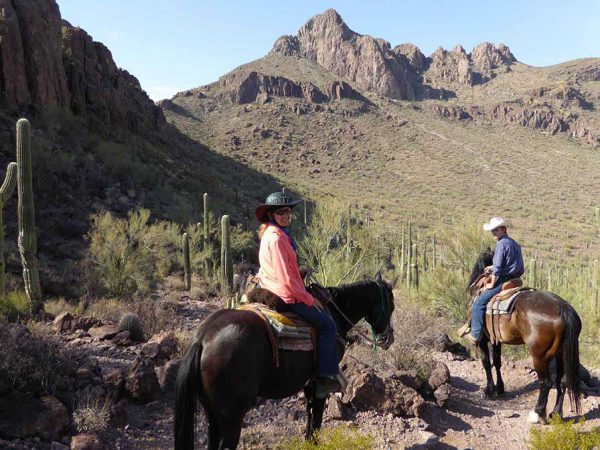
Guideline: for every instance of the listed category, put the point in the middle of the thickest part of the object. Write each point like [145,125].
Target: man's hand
[488,270]
[317,304]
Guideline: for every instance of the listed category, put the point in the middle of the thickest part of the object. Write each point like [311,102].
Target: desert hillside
[408,136]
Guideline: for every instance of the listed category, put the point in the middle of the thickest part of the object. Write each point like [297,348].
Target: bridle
[379,339]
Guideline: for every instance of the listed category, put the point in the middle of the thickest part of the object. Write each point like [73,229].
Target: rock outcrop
[362,59]
[248,87]
[47,63]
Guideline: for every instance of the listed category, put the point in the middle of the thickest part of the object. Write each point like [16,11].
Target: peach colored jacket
[279,272]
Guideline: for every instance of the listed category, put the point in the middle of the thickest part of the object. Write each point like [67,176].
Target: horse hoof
[533,417]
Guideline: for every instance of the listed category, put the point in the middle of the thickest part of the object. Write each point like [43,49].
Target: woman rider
[280,274]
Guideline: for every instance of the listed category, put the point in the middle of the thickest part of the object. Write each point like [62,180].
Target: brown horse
[549,327]
[230,364]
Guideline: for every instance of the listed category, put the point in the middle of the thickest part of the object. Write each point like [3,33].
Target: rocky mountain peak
[486,56]
[367,61]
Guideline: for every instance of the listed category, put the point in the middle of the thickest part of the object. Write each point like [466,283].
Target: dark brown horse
[549,327]
[230,364]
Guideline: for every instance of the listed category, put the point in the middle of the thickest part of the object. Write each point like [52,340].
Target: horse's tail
[570,353]
[188,391]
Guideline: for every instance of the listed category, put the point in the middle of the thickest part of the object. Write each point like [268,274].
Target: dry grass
[92,414]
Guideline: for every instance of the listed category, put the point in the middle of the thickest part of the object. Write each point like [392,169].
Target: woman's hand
[317,304]
[488,270]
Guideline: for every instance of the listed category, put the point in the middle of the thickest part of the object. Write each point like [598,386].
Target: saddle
[501,304]
[286,330]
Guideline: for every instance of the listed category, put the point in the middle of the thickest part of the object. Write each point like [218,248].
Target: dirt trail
[467,421]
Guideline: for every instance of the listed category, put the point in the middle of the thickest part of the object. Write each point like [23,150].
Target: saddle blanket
[291,331]
[499,306]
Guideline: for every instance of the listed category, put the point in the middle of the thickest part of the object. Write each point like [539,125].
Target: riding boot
[326,385]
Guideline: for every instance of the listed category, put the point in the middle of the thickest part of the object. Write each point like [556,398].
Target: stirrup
[465,329]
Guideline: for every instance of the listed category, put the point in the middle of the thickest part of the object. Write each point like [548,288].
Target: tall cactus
[6,191]
[226,259]
[187,266]
[206,221]
[27,238]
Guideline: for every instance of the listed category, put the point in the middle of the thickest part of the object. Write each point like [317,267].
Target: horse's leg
[230,433]
[497,356]
[540,365]
[560,390]
[309,398]
[214,438]
[487,366]
[318,408]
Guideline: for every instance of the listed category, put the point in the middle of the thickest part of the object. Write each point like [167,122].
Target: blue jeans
[478,310]
[327,354]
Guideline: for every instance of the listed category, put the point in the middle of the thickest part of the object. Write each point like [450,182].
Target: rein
[373,340]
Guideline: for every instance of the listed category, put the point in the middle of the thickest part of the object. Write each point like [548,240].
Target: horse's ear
[378,276]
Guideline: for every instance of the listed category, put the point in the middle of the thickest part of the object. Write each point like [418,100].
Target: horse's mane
[485,259]
[343,290]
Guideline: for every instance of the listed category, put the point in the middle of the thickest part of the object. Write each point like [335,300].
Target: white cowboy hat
[494,222]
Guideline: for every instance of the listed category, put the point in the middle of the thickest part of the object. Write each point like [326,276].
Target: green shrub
[325,246]
[14,305]
[332,439]
[130,255]
[563,435]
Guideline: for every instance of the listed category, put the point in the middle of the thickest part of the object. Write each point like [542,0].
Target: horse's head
[379,314]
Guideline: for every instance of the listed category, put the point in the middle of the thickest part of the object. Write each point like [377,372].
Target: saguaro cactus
[226,259]
[6,191]
[206,221]
[27,238]
[187,265]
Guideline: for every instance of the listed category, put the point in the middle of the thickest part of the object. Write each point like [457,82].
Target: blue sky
[176,45]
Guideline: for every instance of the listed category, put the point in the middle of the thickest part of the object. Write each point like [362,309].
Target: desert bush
[563,435]
[339,247]
[14,305]
[59,305]
[92,414]
[32,363]
[415,330]
[130,255]
[331,439]
[111,309]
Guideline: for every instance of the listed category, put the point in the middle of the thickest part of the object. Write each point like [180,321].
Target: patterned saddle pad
[291,331]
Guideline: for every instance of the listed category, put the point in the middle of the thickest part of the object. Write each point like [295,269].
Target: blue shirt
[508,260]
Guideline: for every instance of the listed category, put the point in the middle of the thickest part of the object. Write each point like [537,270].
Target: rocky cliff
[403,72]
[46,63]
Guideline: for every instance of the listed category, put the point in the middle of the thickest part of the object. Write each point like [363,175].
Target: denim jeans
[327,354]
[478,310]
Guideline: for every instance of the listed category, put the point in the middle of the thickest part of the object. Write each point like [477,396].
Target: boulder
[167,375]
[161,347]
[104,332]
[86,441]
[114,382]
[142,383]
[367,391]
[123,339]
[69,323]
[438,385]
[44,417]
[336,410]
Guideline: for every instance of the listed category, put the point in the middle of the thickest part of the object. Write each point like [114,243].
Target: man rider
[507,264]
